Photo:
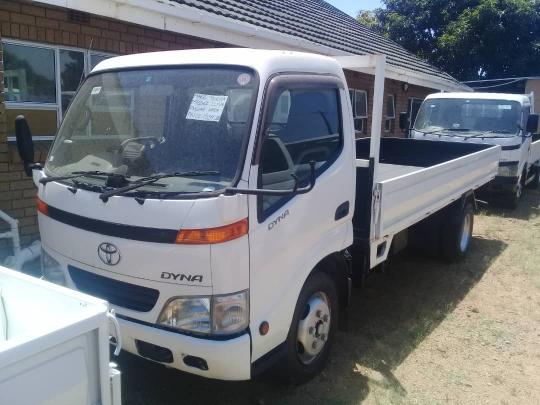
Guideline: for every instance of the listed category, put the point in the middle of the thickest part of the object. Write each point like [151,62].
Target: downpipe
[20,256]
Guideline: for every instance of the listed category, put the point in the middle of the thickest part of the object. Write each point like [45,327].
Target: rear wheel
[312,330]
[536,179]
[457,234]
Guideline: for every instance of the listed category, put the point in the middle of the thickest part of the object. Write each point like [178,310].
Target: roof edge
[174,17]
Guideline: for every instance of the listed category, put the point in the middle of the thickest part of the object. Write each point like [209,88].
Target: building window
[359,105]
[412,108]
[40,82]
[389,122]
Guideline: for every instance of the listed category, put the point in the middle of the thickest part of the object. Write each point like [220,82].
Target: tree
[469,39]
[368,18]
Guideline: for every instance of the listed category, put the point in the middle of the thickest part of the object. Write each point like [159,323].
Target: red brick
[33,10]
[25,184]
[24,203]
[10,195]
[110,34]
[3,167]
[28,212]
[46,23]
[135,30]
[161,44]
[99,22]
[49,35]
[29,193]
[32,33]
[6,29]
[58,37]
[15,30]
[6,205]
[145,41]
[23,19]
[10,5]
[72,39]
[41,34]
[56,14]
[90,31]
[4,15]
[152,34]
[28,230]
[129,38]
[71,27]
[24,32]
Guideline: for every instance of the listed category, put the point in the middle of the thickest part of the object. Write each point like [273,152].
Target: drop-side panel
[534,157]
[407,199]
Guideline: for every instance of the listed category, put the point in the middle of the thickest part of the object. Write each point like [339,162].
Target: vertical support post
[377,114]
[379,63]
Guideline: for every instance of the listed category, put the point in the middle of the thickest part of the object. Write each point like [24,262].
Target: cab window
[303,125]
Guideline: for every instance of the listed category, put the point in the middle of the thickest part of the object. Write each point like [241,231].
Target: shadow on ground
[389,318]
[529,207]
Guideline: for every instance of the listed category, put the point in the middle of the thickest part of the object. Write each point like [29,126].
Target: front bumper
[225,359]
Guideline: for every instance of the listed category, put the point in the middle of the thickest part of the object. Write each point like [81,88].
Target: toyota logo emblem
[109,254]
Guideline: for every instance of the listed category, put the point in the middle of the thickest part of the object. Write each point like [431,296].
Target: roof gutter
[174,17]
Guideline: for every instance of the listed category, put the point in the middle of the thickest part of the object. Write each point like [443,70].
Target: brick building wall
[56,26]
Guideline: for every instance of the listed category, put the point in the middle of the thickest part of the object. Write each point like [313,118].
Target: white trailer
[54,345]
[214,198]
[501,119]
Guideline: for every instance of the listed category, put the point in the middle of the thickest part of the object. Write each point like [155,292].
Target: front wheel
[457,234]
[312,330]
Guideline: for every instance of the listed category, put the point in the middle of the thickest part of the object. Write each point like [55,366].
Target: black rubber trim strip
[268,360]
[512,163]
[140,233]
[511,147]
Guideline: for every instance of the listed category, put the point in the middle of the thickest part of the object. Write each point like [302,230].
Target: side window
[359,107]
[304,125]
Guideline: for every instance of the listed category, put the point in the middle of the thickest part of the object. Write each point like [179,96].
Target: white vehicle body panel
[57,348]
[407,199]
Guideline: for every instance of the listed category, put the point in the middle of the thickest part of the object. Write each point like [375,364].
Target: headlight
[51,269]
[218,315]
[508,171]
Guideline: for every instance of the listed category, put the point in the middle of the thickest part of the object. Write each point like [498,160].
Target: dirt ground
[421,332]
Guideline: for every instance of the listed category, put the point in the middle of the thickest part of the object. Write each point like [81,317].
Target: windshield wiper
[152,179]
[442,130]
[75,175]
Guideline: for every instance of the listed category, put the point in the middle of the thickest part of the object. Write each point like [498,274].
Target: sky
[351,7]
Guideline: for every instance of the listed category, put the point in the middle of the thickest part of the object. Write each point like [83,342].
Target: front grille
[118,293]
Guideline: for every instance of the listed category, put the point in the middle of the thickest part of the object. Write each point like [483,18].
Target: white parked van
[214,198]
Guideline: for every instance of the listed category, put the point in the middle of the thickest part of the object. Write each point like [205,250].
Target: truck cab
[178,253]
[488,118]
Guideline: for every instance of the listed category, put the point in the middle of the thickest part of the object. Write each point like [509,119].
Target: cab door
[302,122]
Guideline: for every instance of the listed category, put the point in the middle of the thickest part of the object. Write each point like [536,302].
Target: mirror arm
[296,190]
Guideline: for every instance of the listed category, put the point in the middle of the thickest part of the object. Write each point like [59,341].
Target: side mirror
[25,145]
[404,121]
[532,124]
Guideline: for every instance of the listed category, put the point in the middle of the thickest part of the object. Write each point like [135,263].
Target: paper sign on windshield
[205,107]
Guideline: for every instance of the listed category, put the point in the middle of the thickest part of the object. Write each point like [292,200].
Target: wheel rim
[313,328]
[465,233]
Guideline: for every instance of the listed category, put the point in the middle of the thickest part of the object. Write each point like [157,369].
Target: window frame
[57,105]
[358,118]
[275,86]
[390,119]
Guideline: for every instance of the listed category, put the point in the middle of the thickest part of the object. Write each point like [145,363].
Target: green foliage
[467,38]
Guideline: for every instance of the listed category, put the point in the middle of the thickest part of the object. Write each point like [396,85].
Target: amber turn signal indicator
[42,206]
[211,236]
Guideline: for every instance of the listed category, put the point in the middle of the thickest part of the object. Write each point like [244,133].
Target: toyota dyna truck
[493,119]
[215,198]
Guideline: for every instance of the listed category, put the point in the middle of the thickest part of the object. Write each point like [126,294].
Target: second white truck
[492,119]
[214,198]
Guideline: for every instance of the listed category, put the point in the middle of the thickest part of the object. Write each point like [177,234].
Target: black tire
[511,199]
[533,185]
[293,368]
[456,235]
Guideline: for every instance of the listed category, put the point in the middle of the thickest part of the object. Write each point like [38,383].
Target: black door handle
[342,211]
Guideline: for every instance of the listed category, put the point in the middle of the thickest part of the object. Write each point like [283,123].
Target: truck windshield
[140,123]
[469,115]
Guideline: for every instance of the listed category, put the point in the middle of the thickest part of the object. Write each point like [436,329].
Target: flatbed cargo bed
[415,179]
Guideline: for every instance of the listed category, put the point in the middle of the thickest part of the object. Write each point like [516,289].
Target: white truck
[493,119]
[214,198]
[54,345]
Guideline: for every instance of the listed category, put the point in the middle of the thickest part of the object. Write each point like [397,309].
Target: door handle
[342,211]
